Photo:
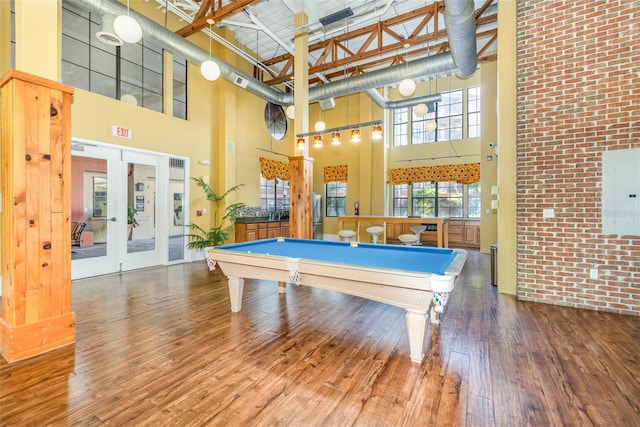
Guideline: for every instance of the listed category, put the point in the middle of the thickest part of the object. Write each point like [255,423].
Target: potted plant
[132,222]
[223,221]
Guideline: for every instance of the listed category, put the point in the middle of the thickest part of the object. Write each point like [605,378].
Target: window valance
[467,173]
[338,173]
[272,169]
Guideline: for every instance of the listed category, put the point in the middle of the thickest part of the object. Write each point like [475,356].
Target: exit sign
[121,132]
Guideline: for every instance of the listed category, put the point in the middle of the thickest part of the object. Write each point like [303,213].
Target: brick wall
[578,94]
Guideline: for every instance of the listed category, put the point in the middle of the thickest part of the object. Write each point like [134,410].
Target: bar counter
[442,225]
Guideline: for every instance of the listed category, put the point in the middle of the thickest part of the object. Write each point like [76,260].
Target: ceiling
[377,34]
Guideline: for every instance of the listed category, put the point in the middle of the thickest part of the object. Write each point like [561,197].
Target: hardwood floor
[161,347]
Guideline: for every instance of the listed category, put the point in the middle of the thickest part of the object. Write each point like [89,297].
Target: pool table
[416,278]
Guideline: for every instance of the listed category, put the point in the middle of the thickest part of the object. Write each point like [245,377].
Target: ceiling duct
[441,64]
[107,33]
[460,22]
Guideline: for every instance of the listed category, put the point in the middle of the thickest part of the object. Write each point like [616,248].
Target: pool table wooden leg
[236,286]
[416,325]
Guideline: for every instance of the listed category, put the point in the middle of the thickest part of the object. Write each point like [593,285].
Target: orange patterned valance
[271,169]
[467,173]
[338,173]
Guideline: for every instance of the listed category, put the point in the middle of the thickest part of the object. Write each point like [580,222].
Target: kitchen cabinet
[247,232]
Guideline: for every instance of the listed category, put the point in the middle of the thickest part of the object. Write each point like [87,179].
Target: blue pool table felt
[407,258]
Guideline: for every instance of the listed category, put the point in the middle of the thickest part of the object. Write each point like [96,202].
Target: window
[423,199]
[439,199]
[336,198]
[401,200]
[449,116]
[473,200]
[131,70]
[274,194]
[400,127]
[473,112]
[419,132]
[179,87]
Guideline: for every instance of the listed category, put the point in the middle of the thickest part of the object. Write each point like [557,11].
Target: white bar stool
[375,231]
[347,235]
[418,229]
[408,239]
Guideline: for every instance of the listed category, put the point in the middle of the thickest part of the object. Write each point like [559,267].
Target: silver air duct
[390,105]
[421,68]
[460,22]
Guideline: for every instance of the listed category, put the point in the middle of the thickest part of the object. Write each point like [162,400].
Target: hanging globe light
[407,87]
[421,110]
[210,70]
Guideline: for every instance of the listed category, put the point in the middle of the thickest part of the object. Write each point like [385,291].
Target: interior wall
[577,96]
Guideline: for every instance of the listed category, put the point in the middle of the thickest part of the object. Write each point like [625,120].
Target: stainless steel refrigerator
[317,216]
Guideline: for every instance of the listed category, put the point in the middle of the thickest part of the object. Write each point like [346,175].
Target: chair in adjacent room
[418,230]
[375,231]
[347,235]
[76,232]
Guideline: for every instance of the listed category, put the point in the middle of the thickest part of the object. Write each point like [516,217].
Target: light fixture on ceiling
[376,132]
[127,28]
[300,144]
[431,125]
[209,69]
[320,126]
[317,141]
[335,138]
[421,110]
[407,87]
[290,111]
[355,135]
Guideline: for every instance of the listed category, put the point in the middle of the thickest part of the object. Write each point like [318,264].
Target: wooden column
[35,218]
[301,199]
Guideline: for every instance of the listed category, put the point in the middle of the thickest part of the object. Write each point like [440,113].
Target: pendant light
[127,28]
[317,141]
[407,86]
[376,132]
[335,138]
[355,135]
[209,69]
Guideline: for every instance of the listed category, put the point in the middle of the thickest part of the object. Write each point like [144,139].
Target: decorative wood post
[301,198]
[35,219]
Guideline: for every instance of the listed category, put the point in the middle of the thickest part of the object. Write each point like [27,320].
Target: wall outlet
[593,273]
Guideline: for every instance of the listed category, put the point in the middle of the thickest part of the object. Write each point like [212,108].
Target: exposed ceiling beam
[203,14]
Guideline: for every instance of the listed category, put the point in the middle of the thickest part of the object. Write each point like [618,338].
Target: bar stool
[347,235]
[408,239]
[375,231]
[418,229]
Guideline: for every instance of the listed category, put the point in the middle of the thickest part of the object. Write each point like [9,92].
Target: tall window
[131,72]
[179,87]
[419,132]
[336,198]
[473,112]
[439,199]
[401,200]
[400,127]
[274,194]
[449,116]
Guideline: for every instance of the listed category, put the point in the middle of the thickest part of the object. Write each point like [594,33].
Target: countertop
[257,219]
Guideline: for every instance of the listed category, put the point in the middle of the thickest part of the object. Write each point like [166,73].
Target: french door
[119,206]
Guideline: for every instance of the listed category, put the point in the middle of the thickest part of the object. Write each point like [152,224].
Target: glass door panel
[93,208]
[143,225]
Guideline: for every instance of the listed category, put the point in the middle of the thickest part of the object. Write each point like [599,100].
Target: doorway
[126,209]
